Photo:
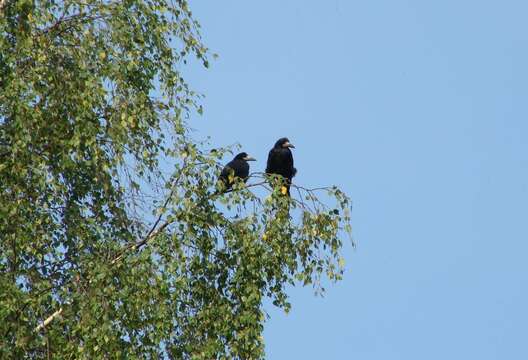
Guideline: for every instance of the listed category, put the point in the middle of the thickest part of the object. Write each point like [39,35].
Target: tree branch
[153,232]
[3,4]
[48,320]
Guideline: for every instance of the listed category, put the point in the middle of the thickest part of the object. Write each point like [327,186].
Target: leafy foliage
[104,254]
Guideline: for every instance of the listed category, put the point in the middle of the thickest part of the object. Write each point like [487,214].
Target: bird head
[244,156]
[284,143]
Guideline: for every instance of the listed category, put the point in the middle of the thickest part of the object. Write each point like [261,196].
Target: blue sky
[419,111]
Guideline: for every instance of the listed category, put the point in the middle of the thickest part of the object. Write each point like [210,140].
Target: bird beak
[289,145]
[249,158]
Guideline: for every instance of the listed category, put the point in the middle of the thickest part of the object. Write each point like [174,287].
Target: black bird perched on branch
[280,161]
[238,167]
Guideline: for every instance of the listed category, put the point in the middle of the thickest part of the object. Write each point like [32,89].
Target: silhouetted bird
[238,167]
[280,161]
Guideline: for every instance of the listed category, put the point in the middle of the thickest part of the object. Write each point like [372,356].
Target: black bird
[238,167]
[280,161]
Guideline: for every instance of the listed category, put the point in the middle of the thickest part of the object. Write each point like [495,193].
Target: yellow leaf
[284,190]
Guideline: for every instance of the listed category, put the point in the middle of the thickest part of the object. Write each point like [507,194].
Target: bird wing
[224,175]
[273,160]
[239,168]
[280,161]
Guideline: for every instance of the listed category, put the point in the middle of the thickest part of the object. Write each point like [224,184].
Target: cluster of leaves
[103,254]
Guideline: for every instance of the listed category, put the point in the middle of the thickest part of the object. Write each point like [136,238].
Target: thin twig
[247,186]
[154,231]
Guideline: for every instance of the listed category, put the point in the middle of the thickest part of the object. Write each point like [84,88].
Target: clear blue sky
[419,111]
